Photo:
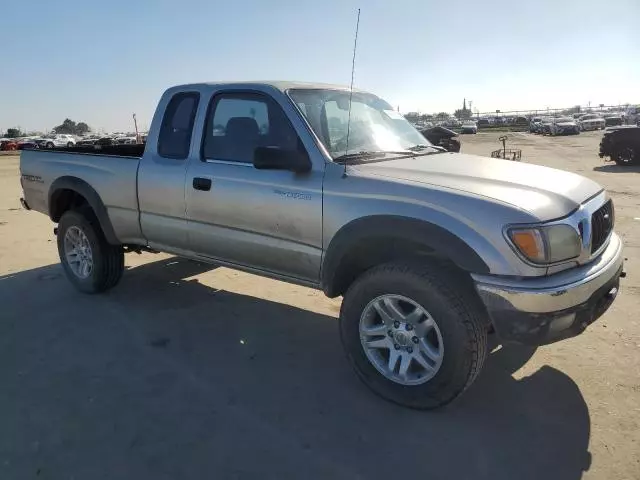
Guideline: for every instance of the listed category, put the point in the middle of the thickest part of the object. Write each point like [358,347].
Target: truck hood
[544,192]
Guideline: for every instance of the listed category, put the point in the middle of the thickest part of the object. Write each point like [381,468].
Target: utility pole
[135,124]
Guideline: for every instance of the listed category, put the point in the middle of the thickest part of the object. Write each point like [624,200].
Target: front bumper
[544,310]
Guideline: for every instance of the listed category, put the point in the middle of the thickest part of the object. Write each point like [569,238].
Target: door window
[238,123]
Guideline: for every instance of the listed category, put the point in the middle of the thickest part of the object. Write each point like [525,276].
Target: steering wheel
[355,139]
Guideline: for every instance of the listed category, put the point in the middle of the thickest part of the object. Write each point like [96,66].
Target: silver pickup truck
[314,185]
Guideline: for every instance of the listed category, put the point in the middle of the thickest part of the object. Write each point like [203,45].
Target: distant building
[464,112]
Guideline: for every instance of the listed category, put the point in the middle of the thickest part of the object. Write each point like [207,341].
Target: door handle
[203,184]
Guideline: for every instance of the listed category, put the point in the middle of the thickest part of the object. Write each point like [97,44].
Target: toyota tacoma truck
[319,186]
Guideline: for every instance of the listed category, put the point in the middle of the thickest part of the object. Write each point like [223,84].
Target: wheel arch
[369,241]
[68,192]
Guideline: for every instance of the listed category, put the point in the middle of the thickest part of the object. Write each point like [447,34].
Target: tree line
[67,127]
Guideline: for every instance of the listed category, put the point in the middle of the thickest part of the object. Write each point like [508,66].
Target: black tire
[108,260]
[454,145]
[455,308]
[69,144]
[50,145]
[626,156]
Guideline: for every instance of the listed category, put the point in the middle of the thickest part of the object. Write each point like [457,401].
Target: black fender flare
[93,199]
[434,239]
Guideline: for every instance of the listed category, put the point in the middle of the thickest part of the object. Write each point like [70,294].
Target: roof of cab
[278,84]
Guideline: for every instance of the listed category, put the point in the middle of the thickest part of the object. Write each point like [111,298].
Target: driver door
[268,220]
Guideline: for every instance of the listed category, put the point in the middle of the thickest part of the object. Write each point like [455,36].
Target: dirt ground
[190,371]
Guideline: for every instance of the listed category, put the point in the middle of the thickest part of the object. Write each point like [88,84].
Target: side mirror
[276,158]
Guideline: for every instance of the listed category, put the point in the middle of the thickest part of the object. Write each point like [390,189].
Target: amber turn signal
[530,243]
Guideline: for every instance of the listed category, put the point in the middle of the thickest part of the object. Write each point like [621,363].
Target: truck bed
[136,150]
[111,171]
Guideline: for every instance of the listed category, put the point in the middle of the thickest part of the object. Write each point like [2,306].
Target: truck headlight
[544,245]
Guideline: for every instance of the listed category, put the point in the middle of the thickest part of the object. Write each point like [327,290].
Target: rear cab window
[176,129]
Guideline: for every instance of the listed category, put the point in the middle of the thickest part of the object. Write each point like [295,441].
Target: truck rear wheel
[413,335]
[626,156]
[89,261]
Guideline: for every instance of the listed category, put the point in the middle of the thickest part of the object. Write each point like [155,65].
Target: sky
[101,61]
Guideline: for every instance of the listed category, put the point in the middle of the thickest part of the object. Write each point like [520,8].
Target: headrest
[242,127]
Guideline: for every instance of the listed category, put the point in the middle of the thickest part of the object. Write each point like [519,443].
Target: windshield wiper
[422,146]
[371,154]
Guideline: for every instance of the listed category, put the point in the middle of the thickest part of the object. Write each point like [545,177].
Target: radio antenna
[353,68]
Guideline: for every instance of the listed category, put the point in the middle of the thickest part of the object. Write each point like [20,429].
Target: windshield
[374,125]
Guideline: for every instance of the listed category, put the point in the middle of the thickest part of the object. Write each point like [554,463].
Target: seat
[241,139]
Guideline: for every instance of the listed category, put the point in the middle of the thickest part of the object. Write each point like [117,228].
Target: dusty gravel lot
[189,371]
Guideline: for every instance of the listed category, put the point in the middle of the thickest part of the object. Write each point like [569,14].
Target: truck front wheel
[89,261]
[414,334]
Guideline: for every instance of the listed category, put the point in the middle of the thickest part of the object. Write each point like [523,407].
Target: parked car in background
[632,115]
[58,140]
[545,125]
[8,144]
[621,145]
[613,120]
[125,141]
[86,141]
[591,121]
[105,141]
[483,122]
[28,143]
[452,123]
[95,140]
[536,125]
[564,126]
[469,126]
[443,137]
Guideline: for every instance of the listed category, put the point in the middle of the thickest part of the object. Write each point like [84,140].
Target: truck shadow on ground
[168,378]
[614,168]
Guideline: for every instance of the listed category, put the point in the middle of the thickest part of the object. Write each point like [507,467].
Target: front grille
[601,225]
